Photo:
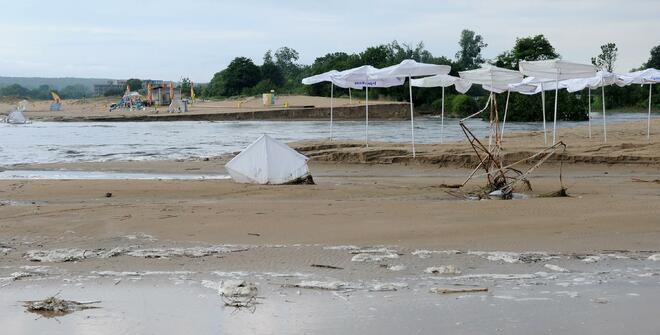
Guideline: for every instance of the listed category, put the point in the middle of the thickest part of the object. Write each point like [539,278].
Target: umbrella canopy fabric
[330,76]
[362,76]
[648,76]
[443,80]
[602,78]
[556,69]
[492,76]
[267,161]
[410,68]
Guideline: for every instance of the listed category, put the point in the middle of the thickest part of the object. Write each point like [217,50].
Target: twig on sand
[326,266]
[640,180]
[561,193]
[441,290]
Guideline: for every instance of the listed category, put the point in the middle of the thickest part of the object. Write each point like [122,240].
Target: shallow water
[104,175]
[54,142]
[600,293]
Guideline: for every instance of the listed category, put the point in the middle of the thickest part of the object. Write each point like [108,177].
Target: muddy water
[376,290]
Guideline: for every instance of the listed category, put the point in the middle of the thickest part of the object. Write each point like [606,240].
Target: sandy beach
[286,107]
[382,220]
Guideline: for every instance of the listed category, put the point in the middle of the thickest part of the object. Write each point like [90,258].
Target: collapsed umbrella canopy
[16,117]
[267,161]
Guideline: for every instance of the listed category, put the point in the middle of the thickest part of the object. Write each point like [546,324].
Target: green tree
[271,72]
[239,75]
[605,61]
[135,84]
[378,56]
[14,90]
[526,48]
[654,60]
[285,59]
[469,54]
[185,87]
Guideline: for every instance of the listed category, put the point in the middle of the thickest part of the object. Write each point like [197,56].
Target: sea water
[55,142]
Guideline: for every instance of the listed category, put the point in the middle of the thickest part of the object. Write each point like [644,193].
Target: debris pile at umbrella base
[306,180]
[54,307]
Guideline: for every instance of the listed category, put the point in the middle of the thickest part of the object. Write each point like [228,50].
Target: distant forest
[280,71]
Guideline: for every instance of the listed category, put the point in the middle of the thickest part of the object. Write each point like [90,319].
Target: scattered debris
[238,293]
[326,266]
[306,180]
[54,307]
[322,285]
[556,268]
[369,257]
[639,180]
[75,254]
[383,287]
[443,270]
[254,234]
[56,255]
[441,290]
[443,185]
[427,253]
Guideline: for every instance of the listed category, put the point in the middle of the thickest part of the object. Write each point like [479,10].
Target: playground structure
[57,102]
[130,100]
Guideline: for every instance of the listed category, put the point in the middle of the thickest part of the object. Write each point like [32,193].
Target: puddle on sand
[163,307]
[102,175]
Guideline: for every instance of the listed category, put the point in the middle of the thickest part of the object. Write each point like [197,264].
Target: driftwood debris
[441,290]
[326,266]
[53,307]
[500,177]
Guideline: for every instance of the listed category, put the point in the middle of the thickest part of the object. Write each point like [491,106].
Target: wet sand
[158,249]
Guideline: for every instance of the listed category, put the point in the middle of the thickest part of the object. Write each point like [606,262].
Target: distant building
[100,89]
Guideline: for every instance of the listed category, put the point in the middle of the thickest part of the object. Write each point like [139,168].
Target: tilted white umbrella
[556,69]
[362,77]
[330,76]
[443,80]
[410,68]
[648,76]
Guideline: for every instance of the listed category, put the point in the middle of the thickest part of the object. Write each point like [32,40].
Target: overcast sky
[195,38]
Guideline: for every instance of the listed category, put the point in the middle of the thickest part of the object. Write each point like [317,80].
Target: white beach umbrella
[410,68]
[443,81]
[494,79]
[648,76]
[556,69]
[362,77]
[330,76]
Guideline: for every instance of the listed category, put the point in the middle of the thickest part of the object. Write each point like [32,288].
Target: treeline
[42,92]
[280,71]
